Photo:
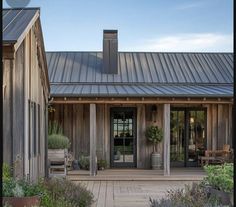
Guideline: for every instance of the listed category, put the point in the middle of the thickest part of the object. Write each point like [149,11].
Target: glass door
[196,136]
[187,136]
[177,138]
[123,137]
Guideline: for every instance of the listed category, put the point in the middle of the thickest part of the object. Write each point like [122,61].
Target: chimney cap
[110,31]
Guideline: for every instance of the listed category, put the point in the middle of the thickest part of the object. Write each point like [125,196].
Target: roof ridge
[140,52]
[22,8]
[141,83]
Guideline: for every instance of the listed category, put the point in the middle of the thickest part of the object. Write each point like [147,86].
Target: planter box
[57,161]
[22,202]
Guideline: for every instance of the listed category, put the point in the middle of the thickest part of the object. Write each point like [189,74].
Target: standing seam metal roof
[142,67]
[143,74]
[15,22]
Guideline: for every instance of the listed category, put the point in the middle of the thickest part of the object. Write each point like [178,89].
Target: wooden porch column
[166,127]
[92,135]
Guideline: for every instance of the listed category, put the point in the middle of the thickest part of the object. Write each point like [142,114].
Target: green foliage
[7,187]
[190,196]
[18,191]
[220,177]
[20,188]
[68,193]
[54,192]
[54,128]
[154,135]
[102,164]
[6,171]
[84,162]
[58,141]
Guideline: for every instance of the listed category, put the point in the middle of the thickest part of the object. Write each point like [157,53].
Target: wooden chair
[218,156]
[57,162]
[225,152]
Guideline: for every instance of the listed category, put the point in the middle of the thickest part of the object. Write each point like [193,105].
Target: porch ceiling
[141,90]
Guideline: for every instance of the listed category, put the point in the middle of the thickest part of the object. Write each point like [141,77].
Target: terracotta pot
[22,202]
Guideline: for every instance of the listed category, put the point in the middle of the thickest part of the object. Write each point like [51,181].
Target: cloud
[194,42]
[189,6]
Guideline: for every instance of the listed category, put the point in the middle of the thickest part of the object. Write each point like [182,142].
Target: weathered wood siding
[18,111]
[7,110]
[219,125]
[25,99]
[74,118]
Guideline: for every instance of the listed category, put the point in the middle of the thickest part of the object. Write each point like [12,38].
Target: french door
[187,136]
[123,137]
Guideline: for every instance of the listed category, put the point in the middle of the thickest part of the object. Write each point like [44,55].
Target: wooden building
[105,100]
[25,92]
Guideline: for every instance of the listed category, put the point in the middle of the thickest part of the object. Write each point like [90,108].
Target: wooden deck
[129,193]
[176,174]
[133,187]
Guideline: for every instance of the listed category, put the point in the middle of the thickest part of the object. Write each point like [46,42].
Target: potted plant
[219,182]
[155,136]
[84,162]
[19,193]
[102,164]
[57,142]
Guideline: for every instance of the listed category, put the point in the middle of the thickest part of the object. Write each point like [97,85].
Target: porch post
[92,130]
[166,127]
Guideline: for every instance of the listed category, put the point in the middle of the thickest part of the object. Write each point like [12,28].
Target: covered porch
[88,123]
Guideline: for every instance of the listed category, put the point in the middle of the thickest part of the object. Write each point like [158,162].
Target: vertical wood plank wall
[18,112]
[74,118]
[219,125]
[23,82]
[7,111]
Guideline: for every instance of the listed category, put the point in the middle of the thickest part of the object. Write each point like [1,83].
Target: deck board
[129,193]
[133,187]
[177,174]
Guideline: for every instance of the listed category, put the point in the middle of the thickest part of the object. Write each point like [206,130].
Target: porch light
[154,112]
[191,120]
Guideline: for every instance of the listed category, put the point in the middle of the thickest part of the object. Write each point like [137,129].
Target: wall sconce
[154,112]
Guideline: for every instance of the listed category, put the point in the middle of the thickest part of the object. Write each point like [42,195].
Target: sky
[143,25]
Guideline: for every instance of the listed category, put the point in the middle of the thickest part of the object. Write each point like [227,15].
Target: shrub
[102,164]
[74,195]
[220,177]
[84,162]
[7,187]
[21,188]
[58,141]
[6,171]
[54,192]
[154,135]
[190,196]
[54,128]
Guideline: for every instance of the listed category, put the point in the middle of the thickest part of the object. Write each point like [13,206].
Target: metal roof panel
[144,90]
[15,22]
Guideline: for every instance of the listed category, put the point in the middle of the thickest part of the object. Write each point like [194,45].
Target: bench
[213,160]
[57,162]
[216,156]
